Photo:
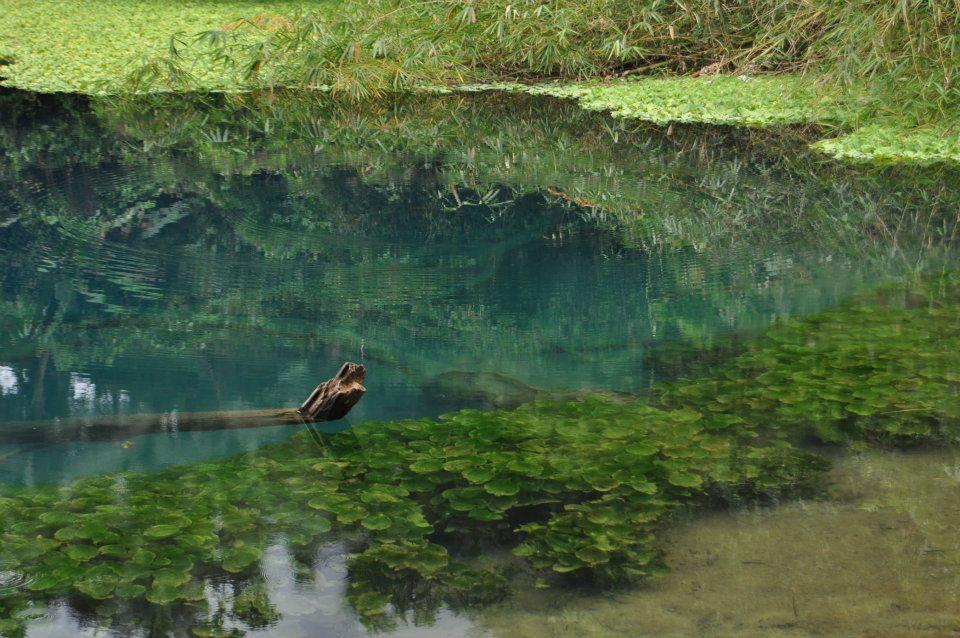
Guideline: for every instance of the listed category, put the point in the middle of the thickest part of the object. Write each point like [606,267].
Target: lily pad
[240,556]
[502,487]
[81,552]
[377,522]
[161,531]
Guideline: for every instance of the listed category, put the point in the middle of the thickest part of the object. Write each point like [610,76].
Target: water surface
[178,256]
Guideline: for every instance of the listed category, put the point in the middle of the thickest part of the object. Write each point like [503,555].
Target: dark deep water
[175,257]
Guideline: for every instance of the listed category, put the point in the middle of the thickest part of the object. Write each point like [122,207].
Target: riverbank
[94,47]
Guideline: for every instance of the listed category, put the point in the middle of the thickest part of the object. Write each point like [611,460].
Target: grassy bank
[91,46]
[879,83]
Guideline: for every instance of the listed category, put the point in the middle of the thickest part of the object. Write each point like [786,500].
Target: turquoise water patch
[678,316]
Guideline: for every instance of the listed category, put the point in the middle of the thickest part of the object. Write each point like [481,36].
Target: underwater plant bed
[577,489]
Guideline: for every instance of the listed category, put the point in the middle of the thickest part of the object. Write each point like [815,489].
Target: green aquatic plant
[765,101]
[397,489]
[86,47]
[756,101]
[578,488]
[895,142]
[883,371]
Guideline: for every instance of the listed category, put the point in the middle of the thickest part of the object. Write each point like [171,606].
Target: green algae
[577,489]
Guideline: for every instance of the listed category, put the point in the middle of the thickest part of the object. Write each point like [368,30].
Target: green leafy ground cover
[724,99]
[768,101]
[91,46]
[576,488]
[895,143]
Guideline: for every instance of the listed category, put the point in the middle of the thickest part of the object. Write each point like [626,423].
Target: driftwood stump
[332,399]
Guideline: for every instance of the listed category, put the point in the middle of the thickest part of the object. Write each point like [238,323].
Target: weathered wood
[331,400]
[123,426]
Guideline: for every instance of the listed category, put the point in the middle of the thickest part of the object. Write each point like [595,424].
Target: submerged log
[331,400]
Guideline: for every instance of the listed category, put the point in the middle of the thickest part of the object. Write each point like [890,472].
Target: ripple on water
[12,580]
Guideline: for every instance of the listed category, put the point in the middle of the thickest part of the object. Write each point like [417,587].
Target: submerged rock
[481,389]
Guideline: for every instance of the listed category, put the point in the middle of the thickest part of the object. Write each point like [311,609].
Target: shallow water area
[174,258]
[879,557]
[571,291]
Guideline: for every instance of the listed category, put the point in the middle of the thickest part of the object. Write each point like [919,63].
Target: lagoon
[185,253]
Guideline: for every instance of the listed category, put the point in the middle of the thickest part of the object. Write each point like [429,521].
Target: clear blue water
[159,281]
[478,253]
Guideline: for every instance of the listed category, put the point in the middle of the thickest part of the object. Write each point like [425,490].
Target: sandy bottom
[879,558]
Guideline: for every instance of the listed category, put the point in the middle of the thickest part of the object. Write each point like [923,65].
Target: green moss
[576,488]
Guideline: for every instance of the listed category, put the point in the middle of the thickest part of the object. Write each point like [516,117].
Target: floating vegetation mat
[766,101]
[576,490]
[91,47]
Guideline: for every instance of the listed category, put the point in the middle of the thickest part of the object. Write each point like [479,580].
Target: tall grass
[900,54]
[906,51]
